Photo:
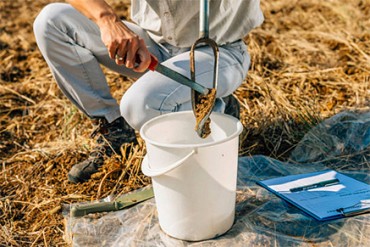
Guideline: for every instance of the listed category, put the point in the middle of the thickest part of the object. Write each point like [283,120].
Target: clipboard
[324,195]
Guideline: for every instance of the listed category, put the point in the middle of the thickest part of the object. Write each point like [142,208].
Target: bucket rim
[239,129]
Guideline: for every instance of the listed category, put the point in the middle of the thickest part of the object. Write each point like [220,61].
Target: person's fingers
[121,53]
[144,58]
[112,49]
[144,62]
[131,53]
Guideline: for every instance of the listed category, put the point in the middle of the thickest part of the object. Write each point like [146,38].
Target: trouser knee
[134,111]
[48,15]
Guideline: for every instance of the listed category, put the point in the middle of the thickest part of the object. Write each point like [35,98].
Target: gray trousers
[73,49]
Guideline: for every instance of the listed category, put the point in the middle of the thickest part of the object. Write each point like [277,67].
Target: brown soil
[203,106]
[310,60]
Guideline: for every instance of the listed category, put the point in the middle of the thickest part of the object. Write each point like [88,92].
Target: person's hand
[125,46]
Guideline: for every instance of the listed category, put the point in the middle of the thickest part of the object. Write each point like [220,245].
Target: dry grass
[310,60]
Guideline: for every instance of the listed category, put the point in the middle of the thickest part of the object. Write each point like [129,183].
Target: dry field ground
[310,60]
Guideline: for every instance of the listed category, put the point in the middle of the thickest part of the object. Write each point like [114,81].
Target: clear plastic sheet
[346,133]
[262,219]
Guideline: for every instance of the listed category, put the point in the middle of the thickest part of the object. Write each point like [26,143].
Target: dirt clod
[203,105]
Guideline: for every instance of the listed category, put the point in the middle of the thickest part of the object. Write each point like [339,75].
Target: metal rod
[181,79]
[203,19]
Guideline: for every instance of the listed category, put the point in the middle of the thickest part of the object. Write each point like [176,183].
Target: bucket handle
[157,172]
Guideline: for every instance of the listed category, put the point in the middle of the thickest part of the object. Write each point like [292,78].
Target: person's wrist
[106,19]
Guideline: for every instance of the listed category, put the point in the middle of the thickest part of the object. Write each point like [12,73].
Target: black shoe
[232,107]
[113,135]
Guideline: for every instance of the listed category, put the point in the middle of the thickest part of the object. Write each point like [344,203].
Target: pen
[316,185]
[354,212]
[359,208]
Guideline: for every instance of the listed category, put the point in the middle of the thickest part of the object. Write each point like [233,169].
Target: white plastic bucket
[194,179]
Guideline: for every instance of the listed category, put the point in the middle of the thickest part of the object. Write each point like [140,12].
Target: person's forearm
[97,10]
[123,45]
